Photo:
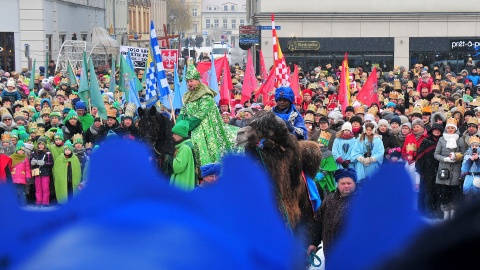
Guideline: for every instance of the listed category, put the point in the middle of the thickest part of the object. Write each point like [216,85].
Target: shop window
[7,51]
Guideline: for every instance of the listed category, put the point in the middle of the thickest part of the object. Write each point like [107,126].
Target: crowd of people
[426,118]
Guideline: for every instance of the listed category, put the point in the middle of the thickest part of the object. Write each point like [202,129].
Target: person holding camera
[449,153]
[471,170]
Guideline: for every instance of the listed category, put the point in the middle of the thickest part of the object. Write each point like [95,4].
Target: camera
[474,151]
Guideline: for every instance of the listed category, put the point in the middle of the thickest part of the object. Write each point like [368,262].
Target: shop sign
[303,45]
[465,44]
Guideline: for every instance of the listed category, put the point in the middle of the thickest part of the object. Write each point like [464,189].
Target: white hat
[347,126]
[369,117]
[11,83]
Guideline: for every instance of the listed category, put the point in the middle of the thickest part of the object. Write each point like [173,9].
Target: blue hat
[391,104]
[211,169]
[349,172]
[284,92]
[80,105]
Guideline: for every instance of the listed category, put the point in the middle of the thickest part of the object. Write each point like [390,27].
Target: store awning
[101,36]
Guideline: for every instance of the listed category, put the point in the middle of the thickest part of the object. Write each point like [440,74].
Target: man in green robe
[210,136]
[67,173]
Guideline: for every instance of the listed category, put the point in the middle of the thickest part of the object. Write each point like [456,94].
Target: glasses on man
[7,119]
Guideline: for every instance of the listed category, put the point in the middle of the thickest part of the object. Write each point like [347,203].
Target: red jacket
[5,161]
[21,172]
[422,84]
[410,138]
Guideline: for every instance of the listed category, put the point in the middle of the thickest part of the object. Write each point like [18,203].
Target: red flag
[226,70]
[249,79]
[295,84]
[204,67]
[344,91]
[368,94]
[224,88]
[266,87]
[283,77]
[263,68]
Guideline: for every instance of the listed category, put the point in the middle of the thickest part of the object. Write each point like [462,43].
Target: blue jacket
[15,95]
[377,153]
[343,149]
[294,121]
[468,167]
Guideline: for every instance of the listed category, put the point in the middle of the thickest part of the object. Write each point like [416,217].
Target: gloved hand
[448,159]
[34,162]
[319,176]
[345,163]
[289,126]
[40,162]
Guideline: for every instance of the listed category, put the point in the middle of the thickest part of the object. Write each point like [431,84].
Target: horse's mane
[156,128]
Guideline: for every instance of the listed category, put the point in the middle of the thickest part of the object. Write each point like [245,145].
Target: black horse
[156,129]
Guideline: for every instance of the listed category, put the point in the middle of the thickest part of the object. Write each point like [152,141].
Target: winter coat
[47,157]
[472,169]
[410,138]
[60,176]
[441,152]
[294,121]
[183,176]
[94,135]
[377,152]
[20,169]
[426,164]
[342,150]
[388,140]
[69,130]
[15,95]
[131,131]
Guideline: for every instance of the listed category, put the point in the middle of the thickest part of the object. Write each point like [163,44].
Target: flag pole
[172,110]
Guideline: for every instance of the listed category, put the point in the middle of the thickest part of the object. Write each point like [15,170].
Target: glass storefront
[7,51]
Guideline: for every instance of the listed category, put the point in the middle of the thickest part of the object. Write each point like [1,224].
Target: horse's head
[147,127]
[156,129]
[266,127]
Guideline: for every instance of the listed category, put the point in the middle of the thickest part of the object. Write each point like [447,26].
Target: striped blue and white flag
[163,89]
[151,96]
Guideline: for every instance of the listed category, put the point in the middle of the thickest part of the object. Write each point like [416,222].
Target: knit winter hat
[71,115]
[384,122]
[418,122]
[347,126]
[395,119]
[211,169]
[68,144]
[58,135]
[20,146]
[369,117]
[181,128]
[192,73]
[42,139]
[343,173]
[357,119]
[407,124]
[56,114]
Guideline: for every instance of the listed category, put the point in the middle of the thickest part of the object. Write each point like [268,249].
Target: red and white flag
[281,71]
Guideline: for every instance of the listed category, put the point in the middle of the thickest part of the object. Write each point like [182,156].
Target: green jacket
[183,176]
[86,120]
[60,174]
[55,150]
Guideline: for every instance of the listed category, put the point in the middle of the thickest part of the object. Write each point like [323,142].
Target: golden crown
[445,107]
[130,109]
[67,104]
[55,102]
[325,135]
[58,108]
[308,118]
[415,94]
[393,95]
[411,147]
[237,97]
[77,138]
[72,96]
[88,145]
[417,109]
[312,108]
[18,114]
[321,111]
[359,109]
[473,139]
[18,103]
[436,100]
[60,93]
[37,101]
[401,96]
[397,85]
[112,113]
[472,120]
[312,86]
[6,136]
[373,110]
[435,87]
[32,127]
[434,107]
[424,102]
[452,121]
[105,98]
[267,108]
[45,110]
[40,131]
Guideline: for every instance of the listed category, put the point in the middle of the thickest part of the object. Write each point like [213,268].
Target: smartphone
[474,150]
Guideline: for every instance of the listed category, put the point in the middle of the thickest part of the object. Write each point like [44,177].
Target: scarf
[346,137]
[419,134]
[94,130]
[451,140]
[16,158]
[396,131]
[197,93]
[356,130]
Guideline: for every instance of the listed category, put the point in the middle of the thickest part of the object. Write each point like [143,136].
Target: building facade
[374,33]
[116,19]
[195,8]
[43,26]
[221,20]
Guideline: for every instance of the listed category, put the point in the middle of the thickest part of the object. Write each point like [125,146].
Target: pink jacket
[21,172]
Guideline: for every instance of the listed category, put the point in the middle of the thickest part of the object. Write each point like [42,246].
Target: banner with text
[139,55]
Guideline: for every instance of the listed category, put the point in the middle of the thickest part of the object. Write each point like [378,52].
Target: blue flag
[183,86]
[151,91]
[162,82]
[177,98]
[132,86]
[213,83]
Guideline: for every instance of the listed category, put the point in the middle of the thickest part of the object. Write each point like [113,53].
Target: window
[207,23]
[234,23]
[242,22]
[7,55]
[84,37]
[215,23]
[194,12]
[225,23]
[195,28]
[210,8]
[233,7]
[225,8]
